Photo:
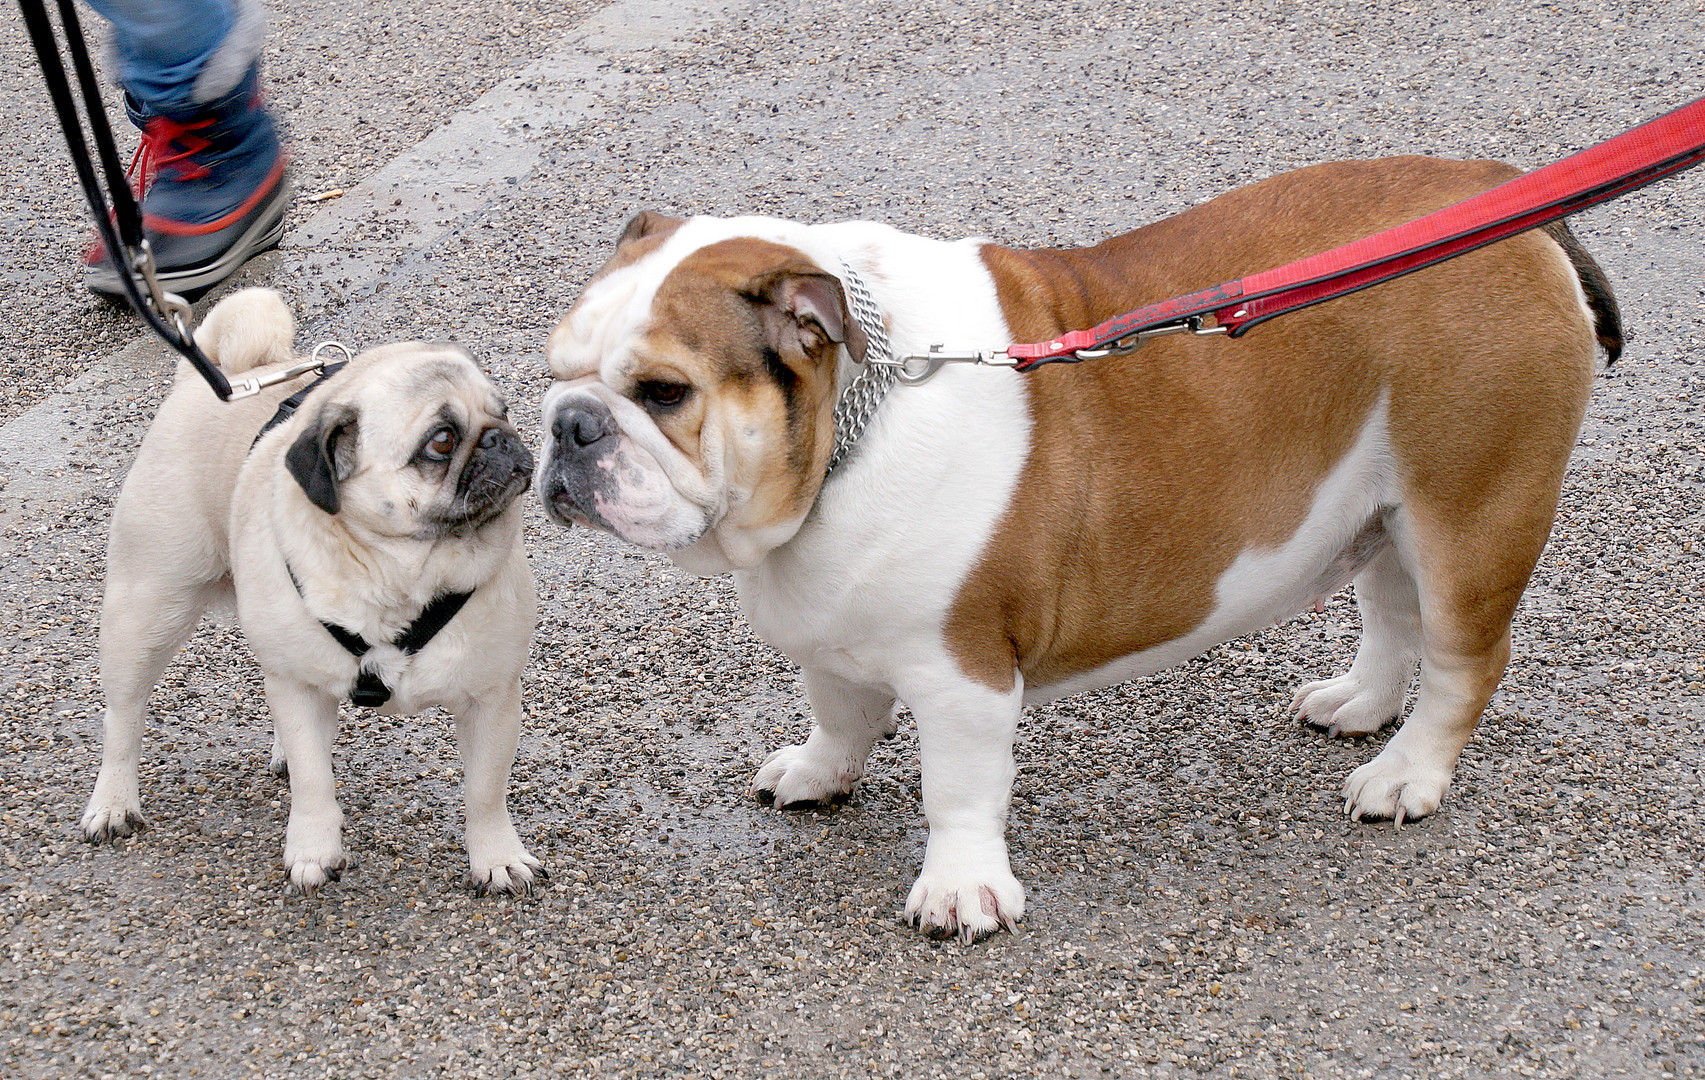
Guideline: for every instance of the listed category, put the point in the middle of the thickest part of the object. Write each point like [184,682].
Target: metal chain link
[858,403]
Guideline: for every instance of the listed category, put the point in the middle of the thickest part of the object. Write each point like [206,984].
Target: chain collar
[859,401]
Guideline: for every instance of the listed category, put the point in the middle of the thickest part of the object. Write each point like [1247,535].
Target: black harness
[370,690]
[287,408]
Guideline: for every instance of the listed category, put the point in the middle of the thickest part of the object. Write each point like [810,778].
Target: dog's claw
[107,827]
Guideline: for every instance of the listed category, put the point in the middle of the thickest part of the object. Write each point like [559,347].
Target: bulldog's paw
[968,902]
[512,874]
[104,821]
[793,777]
[276,763]
[1392,787]
[1346,706]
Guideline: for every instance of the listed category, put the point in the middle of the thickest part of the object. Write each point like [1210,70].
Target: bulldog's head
[410,442]
[693,408]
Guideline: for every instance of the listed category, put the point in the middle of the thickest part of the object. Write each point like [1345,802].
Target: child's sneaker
[214,190]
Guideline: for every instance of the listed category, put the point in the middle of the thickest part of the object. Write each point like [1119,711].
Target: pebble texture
[1197,903]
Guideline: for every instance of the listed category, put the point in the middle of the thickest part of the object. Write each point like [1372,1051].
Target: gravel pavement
[1197,903]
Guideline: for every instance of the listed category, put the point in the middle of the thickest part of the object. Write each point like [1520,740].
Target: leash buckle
[255,384]
[1126,345]
[915,369]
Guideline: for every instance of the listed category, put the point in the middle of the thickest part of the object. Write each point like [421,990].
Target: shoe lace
[168,144]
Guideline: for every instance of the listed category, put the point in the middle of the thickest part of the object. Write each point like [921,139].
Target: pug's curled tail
[250,328]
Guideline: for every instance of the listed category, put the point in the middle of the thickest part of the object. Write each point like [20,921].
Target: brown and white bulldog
[998,539]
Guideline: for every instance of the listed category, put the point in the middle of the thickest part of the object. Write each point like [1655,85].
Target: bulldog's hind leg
[487,733]
[143,625]
[848,721]
[1467,598]
[1370,695]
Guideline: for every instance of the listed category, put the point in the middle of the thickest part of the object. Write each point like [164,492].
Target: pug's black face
[421,449]
[496,467]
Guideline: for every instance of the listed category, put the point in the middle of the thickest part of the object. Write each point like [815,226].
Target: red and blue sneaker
[214,188]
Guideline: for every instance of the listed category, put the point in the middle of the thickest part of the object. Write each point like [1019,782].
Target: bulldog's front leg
[848,721]
[487,733]
[304,721]
[965,738]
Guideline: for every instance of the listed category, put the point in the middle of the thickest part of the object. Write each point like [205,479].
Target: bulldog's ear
[323,456]
[807,308]
[648,223]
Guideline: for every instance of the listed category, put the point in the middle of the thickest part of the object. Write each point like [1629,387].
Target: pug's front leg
[305,727]
[487,732]
[965,737]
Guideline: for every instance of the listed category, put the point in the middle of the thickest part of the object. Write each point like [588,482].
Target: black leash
[120,227]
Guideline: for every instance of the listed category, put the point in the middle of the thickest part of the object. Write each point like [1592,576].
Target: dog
[996,539]
[378,508]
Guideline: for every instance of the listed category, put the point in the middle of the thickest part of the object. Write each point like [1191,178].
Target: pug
[367,528]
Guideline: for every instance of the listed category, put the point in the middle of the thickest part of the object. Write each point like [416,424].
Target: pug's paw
[313,857]
[515,877]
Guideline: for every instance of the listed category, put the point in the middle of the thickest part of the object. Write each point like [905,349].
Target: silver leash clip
[255,384]
[917,368]
[1127,345]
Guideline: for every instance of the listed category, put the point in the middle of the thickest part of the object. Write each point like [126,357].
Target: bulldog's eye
[441,444]
[663,395]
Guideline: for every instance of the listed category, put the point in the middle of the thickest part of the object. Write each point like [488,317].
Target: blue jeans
[177,56]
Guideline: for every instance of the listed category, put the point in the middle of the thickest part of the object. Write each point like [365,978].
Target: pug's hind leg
[849,720]
[304,723]
[143,625]
[487,733]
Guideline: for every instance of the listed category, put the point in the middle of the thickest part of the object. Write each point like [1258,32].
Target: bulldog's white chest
[865,587]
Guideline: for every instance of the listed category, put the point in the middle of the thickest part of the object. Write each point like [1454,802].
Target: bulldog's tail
[250,328]
[1607,317]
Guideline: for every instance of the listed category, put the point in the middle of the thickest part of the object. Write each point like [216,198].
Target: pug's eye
[441,444]
[662,395]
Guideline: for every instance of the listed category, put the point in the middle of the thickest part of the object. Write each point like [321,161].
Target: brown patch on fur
[767,393]
[1205,448]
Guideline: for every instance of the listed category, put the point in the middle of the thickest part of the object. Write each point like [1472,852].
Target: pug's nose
[578,426]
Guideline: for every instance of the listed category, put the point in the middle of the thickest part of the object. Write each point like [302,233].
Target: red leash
[1650,152]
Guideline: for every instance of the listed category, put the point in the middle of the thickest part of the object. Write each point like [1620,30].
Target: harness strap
[369,689]
[287,408]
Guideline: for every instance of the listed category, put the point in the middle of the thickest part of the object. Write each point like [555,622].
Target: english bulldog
[995,539]
[367,528]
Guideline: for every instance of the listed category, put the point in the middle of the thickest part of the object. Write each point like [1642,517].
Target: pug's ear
[323,456]
[803,306]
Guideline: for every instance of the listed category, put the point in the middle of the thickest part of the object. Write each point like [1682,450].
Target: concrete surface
[1197,904]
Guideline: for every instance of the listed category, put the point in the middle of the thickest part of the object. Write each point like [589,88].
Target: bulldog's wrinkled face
[411,441]
[695,383]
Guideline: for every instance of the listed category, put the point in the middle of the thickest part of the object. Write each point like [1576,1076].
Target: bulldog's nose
[577,425]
